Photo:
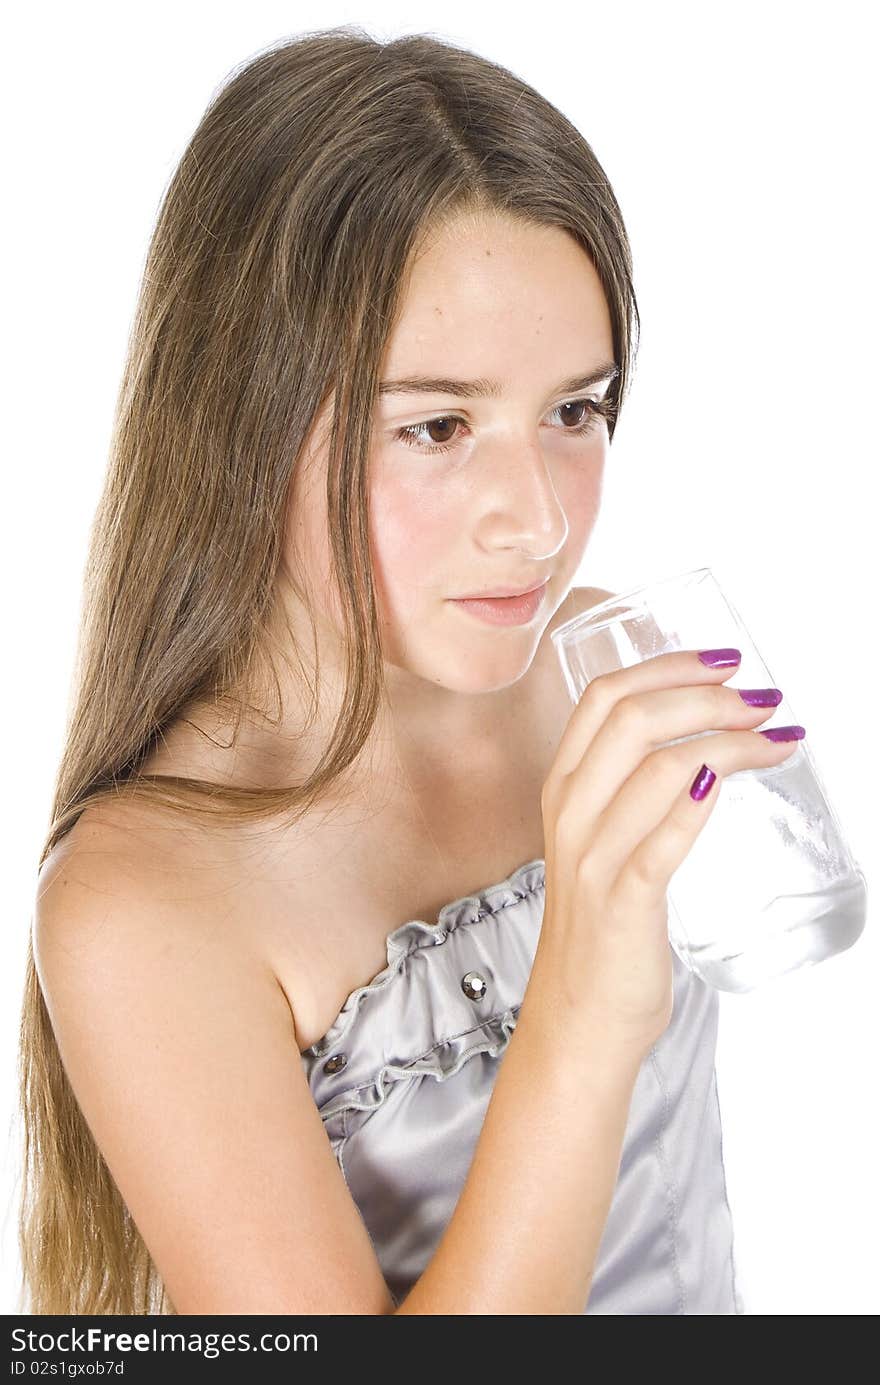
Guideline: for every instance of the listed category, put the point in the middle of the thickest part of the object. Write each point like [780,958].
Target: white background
[741,144]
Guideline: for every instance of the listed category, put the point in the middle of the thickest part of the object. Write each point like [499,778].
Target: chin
[486,669]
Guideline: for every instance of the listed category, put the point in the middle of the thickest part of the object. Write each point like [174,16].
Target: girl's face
[473,489]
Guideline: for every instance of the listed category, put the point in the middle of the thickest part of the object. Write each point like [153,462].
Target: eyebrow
[488,389]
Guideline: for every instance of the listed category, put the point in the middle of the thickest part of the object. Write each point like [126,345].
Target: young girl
[351,988]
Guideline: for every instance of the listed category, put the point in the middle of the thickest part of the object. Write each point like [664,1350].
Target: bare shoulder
[180,1048]
[122,828]
[136,886]
[125,890]
[137,889]
[115,852]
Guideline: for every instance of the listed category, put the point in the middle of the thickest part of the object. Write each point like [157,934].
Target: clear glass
[769,884]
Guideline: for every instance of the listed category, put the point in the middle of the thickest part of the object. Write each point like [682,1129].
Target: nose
[519,505]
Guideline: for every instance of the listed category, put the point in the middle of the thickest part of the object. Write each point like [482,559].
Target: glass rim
[588,617]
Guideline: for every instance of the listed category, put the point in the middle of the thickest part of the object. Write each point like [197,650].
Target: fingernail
[703,783]
[760,697]
[720,658]
[784,733]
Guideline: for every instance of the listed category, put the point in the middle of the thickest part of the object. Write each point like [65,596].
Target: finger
[679,668]
[653,822]
[635,727]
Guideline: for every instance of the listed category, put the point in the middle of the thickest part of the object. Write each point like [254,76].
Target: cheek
[581,504]
[412,546]
[415,541]
[579,488]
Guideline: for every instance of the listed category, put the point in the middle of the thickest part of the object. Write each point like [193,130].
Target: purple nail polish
[703,783]
[720,658]
[760,697]
[784,733]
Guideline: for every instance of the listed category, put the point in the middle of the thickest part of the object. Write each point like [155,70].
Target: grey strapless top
[403,1077]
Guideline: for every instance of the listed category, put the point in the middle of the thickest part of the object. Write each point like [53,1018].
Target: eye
[594,411]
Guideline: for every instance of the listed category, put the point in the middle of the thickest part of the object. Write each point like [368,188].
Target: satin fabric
[413,1060]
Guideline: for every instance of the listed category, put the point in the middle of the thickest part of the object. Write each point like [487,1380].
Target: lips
[497,593]
[504,610]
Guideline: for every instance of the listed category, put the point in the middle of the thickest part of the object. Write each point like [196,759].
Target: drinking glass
[770,884]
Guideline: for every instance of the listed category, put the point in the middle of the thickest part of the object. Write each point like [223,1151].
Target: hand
[619,820]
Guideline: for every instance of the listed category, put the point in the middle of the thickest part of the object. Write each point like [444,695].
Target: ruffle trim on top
[446,1056]
[441,1062]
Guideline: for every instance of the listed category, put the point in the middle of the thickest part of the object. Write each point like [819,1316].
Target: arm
[181,1050]
[526,1231]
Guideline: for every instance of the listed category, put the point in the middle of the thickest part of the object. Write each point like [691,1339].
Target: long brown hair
[271,284]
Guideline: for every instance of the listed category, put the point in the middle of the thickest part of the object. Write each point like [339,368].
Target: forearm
[526,1230]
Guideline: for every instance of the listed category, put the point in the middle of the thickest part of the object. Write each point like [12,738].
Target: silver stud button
[336,1063]
[473,985]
